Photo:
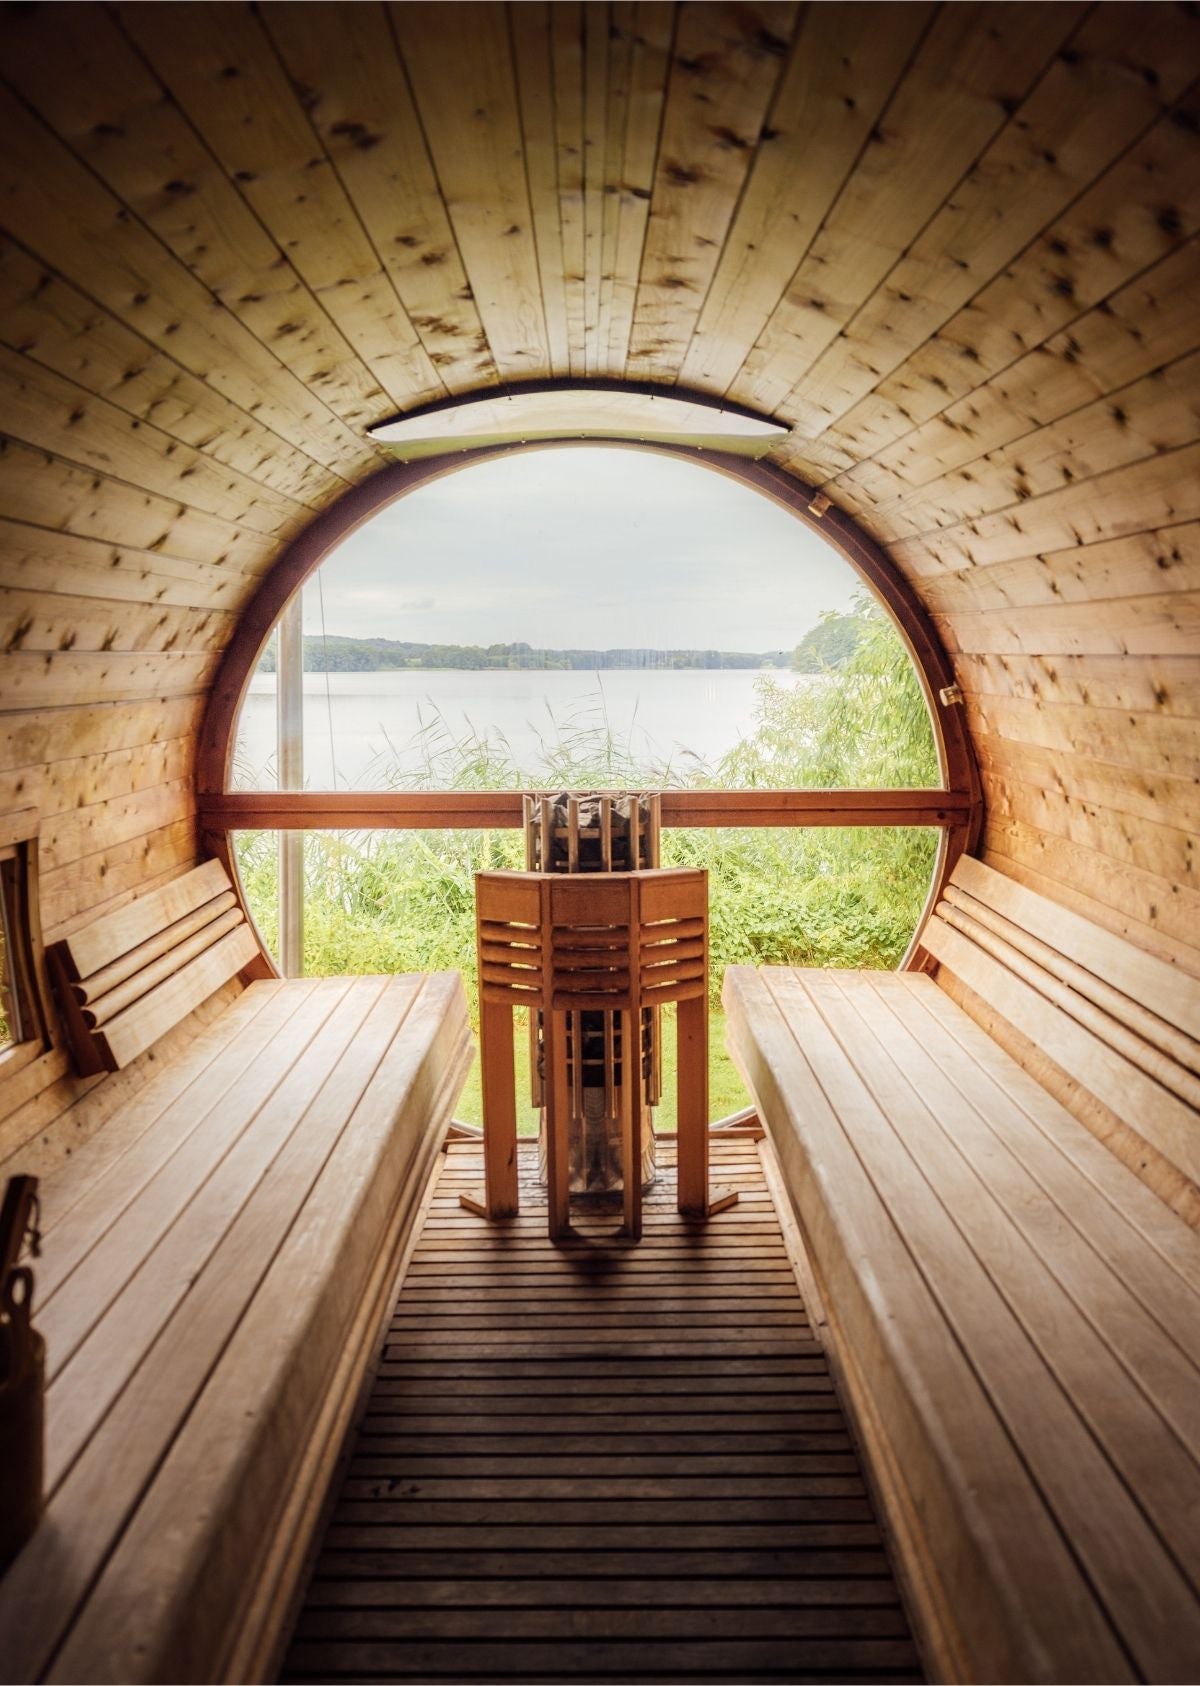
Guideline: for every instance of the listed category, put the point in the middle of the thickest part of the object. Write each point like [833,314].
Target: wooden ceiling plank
[1165,560]
[224,74]
[1166,851]
[117,871]
[459,61]
[1149,743]
[1156,492]
[975,62]
[47,491]
[61,212]
[1146,324]
[34,741]
[844,65]
[1096,98]
[43,620]
[567,59]
[65,838]
[1155,414]
[1152,625]
[651,27]
[50,321]
[619,55]
[345,67]
[83,567]
[727,64]
[45,410]
[598,77]
[1166,685]
[531,37]
[35,679]
[1155,797]
[1033,861]
[1141,211]
[87,779]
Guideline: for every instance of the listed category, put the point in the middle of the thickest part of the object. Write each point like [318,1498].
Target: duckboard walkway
[602,1461]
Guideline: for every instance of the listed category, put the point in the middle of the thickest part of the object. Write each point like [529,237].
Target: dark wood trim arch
[956,808]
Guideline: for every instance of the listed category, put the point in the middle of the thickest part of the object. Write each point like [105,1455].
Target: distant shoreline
[384,655]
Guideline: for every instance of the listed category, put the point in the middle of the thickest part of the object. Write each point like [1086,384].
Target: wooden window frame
[22,942]
[955,808]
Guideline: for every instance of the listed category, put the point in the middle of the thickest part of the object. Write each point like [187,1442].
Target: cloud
[589,546]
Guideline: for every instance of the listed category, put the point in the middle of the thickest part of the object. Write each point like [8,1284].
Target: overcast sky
[590,548]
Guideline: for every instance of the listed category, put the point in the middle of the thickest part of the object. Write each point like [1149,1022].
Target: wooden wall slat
[81,71]
[49,621]
[1095,98]
[346,71]
[38,558]
[946,111]
[231,85]
[1144,325]
[650,25]
[534,68]
[90,237]
[724,74]
[46,490]
[844,65]
[55,324]
[459,63]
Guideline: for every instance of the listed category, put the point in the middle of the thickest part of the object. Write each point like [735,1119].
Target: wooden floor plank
[602,1461]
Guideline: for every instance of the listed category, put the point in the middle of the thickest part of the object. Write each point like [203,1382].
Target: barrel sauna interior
[951,248]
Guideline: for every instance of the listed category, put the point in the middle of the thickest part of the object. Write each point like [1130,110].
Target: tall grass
[403,901]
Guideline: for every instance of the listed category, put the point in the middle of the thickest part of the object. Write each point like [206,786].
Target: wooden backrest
[1122,1025]
[592,942]
[129,977]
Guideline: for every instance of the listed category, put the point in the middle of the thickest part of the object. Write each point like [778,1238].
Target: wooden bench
[1015,1314]
[217,1264]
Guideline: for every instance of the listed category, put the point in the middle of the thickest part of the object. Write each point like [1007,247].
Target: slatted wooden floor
[602,1461]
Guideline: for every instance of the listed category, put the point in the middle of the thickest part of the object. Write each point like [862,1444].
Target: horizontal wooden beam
[280,810]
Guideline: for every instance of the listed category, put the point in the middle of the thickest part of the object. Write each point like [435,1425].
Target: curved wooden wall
[955,247]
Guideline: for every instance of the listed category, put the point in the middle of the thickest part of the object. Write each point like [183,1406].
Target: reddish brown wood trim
[293,810]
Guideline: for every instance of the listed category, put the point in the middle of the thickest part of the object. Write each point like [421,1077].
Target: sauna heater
[570,831]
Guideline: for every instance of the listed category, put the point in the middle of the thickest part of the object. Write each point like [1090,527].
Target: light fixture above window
[545,410]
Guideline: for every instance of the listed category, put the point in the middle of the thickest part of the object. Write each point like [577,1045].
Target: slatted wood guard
[603,1461]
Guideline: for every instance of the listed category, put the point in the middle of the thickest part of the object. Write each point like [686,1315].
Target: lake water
[357,726]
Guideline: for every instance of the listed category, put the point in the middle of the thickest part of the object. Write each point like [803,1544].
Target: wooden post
[289,715]
[499,1110]
[558,1112]
[691,1087]
[631,1121]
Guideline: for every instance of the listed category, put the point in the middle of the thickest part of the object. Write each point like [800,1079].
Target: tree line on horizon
[828,644]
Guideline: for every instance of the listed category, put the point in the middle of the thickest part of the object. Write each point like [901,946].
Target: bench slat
[108,938]
[122,1039]
[1137,1024]
[1138,1583]
[236,1281]
[1109,1207]
[1002,1559]
[285,1346]
[148,1261]
[1106,1351]
[1101,1170]
[155,1126]
[1159,1117]
[1167,991]
[77,1176]
[90,989]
